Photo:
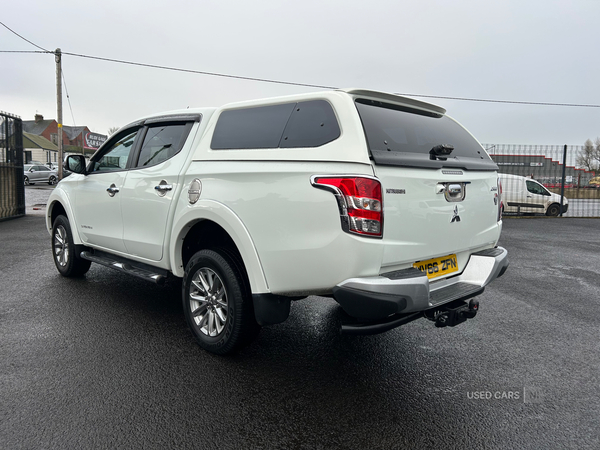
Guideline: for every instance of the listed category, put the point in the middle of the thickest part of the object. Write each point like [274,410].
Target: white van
[525,195]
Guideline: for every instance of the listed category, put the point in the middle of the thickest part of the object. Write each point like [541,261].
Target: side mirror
[75,163]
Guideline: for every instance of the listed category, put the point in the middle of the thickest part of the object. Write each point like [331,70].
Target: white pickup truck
[382,202]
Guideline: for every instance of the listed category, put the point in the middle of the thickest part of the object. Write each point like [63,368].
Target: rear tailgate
[440,187]
[420,223]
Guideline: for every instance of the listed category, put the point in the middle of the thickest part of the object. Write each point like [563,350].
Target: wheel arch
[550,205]
[58,204]
[210,224]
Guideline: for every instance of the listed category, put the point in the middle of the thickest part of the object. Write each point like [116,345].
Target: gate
[12,190]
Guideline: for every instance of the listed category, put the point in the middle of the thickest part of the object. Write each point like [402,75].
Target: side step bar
[139,270]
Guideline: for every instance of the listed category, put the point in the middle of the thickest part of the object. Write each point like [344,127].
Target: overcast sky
[522,50]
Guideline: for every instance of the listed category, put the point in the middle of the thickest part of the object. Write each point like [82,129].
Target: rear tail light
[359,201]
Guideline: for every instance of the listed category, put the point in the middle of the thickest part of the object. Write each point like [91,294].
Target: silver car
[33,173]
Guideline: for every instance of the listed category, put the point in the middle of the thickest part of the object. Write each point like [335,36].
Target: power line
[289,83]
[27,40]
[238,77]
[502,101]
[266,80]
[68,97]
[24,51]
[44,51]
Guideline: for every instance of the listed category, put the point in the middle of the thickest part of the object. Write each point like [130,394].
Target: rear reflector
[359,200]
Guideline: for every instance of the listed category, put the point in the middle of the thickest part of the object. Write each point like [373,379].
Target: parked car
[525,195]
[381,202]
[33,173]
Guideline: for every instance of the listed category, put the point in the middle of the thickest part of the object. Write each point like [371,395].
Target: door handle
[112,190]
[163,187]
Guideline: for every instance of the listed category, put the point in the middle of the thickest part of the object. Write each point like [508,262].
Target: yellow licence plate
[437,267]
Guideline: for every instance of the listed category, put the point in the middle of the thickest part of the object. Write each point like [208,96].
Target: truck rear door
[440,188]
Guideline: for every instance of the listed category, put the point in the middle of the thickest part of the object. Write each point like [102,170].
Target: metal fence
[12,190]
[538,179]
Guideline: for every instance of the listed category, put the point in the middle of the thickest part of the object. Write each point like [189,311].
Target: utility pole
[57,57]
[562,185]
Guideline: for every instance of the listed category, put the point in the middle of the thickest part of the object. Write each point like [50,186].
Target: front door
[536,197]
[98,194]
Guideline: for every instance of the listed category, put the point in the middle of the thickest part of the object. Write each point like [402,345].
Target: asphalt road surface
[107,361]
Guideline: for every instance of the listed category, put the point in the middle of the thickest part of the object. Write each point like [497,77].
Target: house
[75,139]
[38,148]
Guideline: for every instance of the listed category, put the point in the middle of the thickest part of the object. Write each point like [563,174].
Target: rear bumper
[410,291]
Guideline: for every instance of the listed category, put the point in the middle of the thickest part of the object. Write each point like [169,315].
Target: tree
[112,130]
[589,158]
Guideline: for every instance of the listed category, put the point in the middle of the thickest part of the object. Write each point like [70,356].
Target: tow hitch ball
[452,315]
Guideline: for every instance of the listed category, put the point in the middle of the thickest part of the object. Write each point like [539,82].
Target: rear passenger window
[260,127]
[291,125]
[311,124]
[161,143]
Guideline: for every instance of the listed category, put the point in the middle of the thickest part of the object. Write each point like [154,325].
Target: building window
[54,138]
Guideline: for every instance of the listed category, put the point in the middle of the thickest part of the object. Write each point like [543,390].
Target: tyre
[26,180]
[64,252]
[217,302]
[52,180]
[553,210]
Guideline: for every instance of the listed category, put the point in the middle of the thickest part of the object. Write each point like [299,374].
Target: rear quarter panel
[294,228]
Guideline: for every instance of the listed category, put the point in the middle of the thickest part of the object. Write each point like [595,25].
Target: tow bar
[448,315]
[454,313]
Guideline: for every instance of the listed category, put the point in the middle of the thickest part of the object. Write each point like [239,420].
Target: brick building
[75,139]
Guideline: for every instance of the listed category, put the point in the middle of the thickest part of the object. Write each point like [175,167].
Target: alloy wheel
[208,302]
[61,246]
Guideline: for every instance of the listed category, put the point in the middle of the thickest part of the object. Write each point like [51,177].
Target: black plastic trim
[173,118]
[422,161]
[368,305]
[389,323]
[493,252]
[457,291]
[411,272]
[525,205]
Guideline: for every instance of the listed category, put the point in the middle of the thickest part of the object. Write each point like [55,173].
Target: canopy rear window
[402,136]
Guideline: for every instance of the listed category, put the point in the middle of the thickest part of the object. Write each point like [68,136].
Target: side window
[161,143]
[260,127]
[535,188]
[291,125]
[311,124]
[116,155]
